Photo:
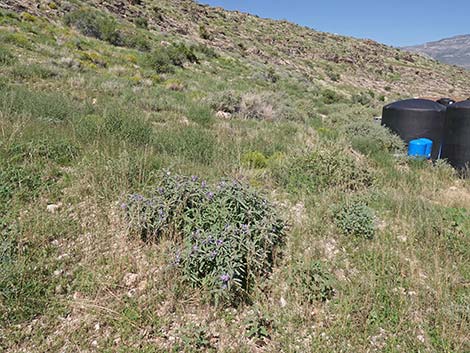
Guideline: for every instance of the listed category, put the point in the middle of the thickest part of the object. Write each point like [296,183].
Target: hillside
[454,50]
[177,177]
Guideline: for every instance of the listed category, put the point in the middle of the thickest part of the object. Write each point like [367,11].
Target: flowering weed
[225,235]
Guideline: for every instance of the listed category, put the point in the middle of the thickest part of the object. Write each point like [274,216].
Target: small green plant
[355,218]
[254,159]
[312,281]
[330,97]
[141,22]
[194,338]
[226,236]
[204,33]
[258,326]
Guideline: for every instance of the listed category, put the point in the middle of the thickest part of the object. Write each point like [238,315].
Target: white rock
[223,115]
[53,208]
[130,279]
[282,302]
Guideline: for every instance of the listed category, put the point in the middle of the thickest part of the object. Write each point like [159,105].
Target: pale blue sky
[393,22]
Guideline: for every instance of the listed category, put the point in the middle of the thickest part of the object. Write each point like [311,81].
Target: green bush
[204,33]
[330,97]
[355,218]
[94,24]
[368,136]
[312,281]
[254,159]
[165,59]
[226,101]
[327,167]
[226,235]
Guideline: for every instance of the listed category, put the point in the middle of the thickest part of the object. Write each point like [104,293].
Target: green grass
[86,119]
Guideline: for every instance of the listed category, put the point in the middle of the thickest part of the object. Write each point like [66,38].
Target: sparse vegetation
[327,241]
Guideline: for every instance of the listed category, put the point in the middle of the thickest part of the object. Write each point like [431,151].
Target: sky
[393,22]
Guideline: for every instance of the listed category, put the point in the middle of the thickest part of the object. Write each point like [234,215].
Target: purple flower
[244,227]
[210,195]
[160,212]
[194,178]
[195,248]
[203,184]
[225,278]
[161,191]
[213,254]
[137,197]
[220,242]
[123,206]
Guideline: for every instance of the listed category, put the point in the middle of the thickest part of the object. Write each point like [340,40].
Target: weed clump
[368,136]
[6,58]
[165,59]
[226,236]
[323,168]
[255,159]
[94,24]
[312,281]
[355,218]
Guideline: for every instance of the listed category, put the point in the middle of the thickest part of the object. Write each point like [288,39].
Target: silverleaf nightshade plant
[226,235]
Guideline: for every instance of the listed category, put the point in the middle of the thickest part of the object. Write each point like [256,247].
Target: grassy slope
[84,122]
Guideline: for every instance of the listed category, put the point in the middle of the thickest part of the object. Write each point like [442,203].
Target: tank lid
[416,104]
[460,105]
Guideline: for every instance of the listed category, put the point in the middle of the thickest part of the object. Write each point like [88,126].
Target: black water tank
[416,118]
[456,140]
[446,101]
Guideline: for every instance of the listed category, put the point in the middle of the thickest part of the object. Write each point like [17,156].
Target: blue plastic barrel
[417,148]
[429,145]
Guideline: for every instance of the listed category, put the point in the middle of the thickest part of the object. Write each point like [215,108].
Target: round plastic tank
[413,119]
[456,140]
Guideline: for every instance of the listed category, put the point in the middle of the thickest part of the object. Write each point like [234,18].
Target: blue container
[417,148]
[429,145]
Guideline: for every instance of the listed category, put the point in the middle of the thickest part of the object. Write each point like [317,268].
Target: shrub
[257,107]
[141,22]
[362,98]
[164,59]
[226,236]
[368,136]
[330,97]
[160,61]
[204,33]
[324,168]
[94,24]
[6,58]
[226,101]
[355,218]
[312,281]
[254,159]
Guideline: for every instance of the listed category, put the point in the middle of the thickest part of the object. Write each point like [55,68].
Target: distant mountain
[454,50]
